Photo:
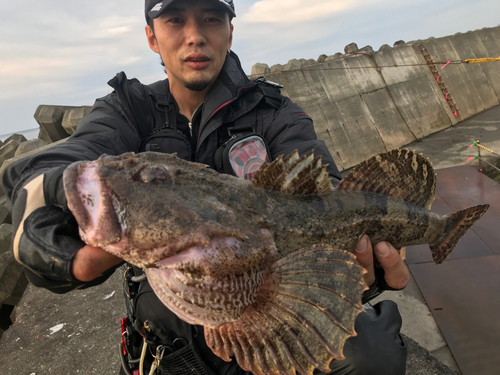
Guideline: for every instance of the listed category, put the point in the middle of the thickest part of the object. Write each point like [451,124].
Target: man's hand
[90,262]
[397,275]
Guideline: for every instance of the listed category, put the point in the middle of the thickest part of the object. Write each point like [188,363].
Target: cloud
[63,52]
[294,11]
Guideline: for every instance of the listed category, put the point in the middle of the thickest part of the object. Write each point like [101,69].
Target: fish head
[168,216]
[138,208]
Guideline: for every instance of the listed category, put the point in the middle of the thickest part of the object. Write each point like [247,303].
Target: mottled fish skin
[193,204]
[343,217]
[266,266]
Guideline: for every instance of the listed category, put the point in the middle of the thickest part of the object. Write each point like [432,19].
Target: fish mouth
[95,207]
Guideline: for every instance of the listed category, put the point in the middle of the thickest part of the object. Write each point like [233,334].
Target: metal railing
[478,156]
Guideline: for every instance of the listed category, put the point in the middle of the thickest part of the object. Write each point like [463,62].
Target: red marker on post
[446,64]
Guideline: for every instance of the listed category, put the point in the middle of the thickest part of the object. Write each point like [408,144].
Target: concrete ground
[79,332]
[445,149]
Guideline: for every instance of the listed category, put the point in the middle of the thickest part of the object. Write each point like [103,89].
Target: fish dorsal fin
[304,313]
[400,173]
[294,175]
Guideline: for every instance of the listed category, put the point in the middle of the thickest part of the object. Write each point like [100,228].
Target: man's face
[192,37]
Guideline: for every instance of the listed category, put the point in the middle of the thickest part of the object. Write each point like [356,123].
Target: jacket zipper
[190,122]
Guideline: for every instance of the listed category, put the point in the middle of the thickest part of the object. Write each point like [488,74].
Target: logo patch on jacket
[299,116]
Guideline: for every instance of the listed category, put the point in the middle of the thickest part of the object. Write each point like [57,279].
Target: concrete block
[5,237]
[321,58]
[11,274]
[341,118]
[403,55]
[491,43]
[294,64]
[4,214]
[367,49]
[456,77]
[49,117]
[8,162]
[44,136]
[18,290]
[422,113]
[364,80]
[309,62]
[15,137]
[8,150]
[277,68]
[337,56]
[351,48]
[72,118]
[414,90]
[399,43]
[385,47]
[29,146]
[260,69]
[392,128]
[470,44]
[13,315]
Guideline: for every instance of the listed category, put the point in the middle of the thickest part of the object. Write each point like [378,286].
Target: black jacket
[119,122]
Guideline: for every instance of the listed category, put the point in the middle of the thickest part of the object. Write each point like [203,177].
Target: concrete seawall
[367,102]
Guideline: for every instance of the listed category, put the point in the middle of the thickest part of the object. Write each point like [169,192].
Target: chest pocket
[166,137]
[243,149]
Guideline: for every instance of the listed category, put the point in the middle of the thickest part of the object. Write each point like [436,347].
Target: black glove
[46,237]
[378,348]
[377,288]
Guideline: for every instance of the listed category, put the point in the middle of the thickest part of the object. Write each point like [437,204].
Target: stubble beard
[197,85]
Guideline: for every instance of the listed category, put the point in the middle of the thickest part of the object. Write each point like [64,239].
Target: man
[207,95]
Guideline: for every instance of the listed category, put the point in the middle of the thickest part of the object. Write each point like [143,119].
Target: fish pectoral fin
[294,175]
[400,173]
[305,311]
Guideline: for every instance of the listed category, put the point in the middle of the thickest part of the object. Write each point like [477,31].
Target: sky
[64,52]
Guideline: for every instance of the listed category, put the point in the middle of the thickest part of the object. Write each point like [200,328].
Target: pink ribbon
[437,79]
[445,64]
[446,96]
[455,113]
[469,159]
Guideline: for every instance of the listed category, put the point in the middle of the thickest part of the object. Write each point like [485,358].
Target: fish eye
[154,175]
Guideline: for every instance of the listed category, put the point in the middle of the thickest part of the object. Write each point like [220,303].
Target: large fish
[266,266]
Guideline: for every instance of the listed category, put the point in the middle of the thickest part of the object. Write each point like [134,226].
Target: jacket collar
[231,81]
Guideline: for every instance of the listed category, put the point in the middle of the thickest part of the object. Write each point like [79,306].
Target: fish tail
[457,224]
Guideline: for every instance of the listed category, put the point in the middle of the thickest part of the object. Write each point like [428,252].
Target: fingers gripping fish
[265,266]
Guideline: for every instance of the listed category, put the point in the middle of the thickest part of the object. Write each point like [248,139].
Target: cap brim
[155,13]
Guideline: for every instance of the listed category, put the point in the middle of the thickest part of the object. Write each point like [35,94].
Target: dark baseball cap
[154,8]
